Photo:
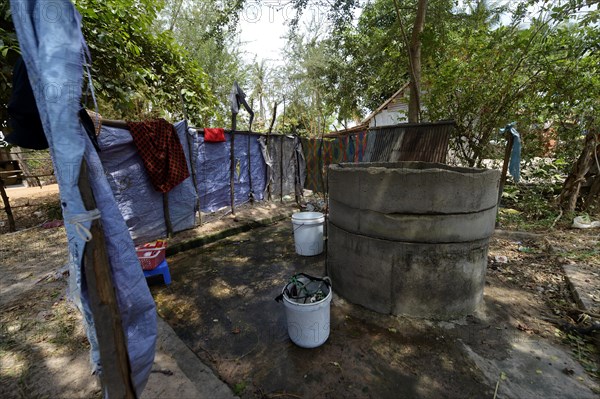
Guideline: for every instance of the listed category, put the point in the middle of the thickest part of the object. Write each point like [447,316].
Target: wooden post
[232,163]
[268,145]
[192,160]
[116,370]
[296,175]
[273,118]
[281,168]
[509,145]
[167,214]
[250,170]
[194,178]
[11,220]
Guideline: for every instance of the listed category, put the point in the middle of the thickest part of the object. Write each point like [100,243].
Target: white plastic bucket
[308,323]
[308,232]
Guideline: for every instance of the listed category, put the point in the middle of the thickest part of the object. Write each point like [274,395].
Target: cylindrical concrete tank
[410,237]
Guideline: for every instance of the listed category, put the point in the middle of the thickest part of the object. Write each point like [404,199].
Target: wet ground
[221,304]
[512,343]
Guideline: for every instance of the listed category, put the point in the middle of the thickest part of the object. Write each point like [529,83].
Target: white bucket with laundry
[308,232]
[307,303]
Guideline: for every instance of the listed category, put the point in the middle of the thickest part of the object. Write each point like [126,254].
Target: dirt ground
[31,206]
[520,343]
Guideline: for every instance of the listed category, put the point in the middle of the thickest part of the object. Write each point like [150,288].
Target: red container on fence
[151,254]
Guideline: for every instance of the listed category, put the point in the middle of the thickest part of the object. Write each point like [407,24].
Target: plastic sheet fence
[213,168]
[288,171]
[427,142]
[320,153]
[142,206]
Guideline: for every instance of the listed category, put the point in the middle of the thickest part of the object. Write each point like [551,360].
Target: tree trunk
[274,117]
[572,186]
[414,104]
[592,201]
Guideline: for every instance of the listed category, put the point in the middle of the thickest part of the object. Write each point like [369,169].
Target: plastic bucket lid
[308,218]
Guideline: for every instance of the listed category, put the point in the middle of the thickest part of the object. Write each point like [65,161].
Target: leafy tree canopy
[138,71]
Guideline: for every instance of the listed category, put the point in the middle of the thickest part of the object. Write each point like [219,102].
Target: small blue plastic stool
[163,269]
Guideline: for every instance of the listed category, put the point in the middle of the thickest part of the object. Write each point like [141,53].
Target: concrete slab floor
[221,304]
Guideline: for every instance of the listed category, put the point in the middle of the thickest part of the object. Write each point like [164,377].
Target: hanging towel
[161,151]
[214,135]
[514,166]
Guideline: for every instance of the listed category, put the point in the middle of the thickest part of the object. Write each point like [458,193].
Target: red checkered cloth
[161,152]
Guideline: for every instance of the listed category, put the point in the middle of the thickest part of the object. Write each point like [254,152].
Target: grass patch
[584,350]
[239,388]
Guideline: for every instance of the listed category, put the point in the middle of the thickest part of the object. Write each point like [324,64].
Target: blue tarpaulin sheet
[140,204]
[213,163]
[52,50]
[212,173]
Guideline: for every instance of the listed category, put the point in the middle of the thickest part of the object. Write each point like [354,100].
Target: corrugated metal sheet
[427,142]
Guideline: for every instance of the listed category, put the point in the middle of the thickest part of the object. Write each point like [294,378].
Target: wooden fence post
[116,370]
[11,220]
[509,145]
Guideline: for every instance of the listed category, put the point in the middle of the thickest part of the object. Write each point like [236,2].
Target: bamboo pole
[116,369]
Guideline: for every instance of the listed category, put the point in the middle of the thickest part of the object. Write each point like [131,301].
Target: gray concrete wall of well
[410,238]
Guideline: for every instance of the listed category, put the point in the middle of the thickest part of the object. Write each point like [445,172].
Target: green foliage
[544,73]
[539,69]
[207,30]
[366,62]
[9,50]
[239,388]
[139,72]
[310,103]
[582,348]
[533,201]
[52,210]
[258,99]
[531,206]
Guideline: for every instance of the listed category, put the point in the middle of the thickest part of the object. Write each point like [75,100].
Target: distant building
[392,112]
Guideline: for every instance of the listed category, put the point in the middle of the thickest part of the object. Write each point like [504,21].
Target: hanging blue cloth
[514,166]
[53,48]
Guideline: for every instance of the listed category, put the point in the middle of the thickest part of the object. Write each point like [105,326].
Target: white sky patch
[265,24]
[263,29]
